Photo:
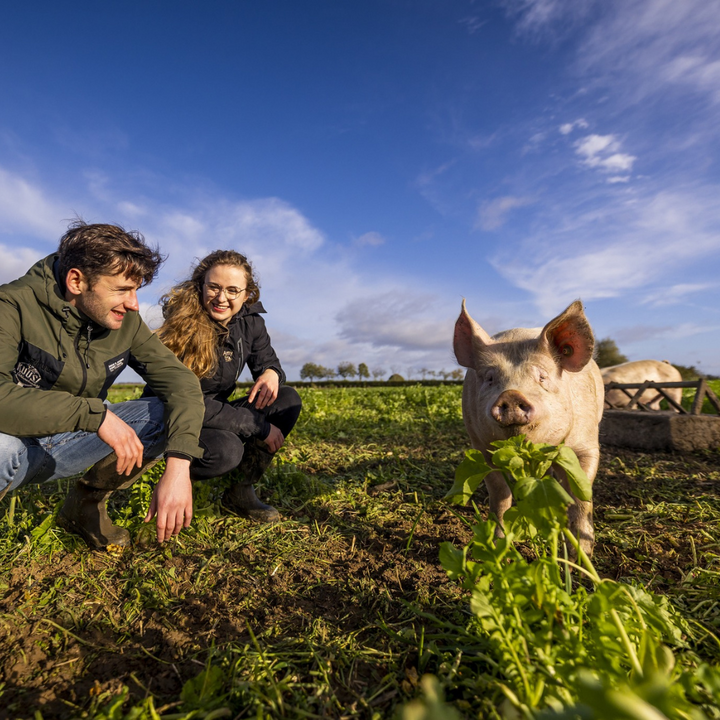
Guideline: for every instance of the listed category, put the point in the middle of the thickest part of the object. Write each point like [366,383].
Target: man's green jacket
[56,365]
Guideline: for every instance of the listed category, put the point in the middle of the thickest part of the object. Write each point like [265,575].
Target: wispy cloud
[643,333]
[601,151]
[26,208]
[652,237]
[15,261]
[658,43]
[641,46]
[538,17]
[473,23]
[396,319]
[370,238]
[674,294]
[492,214]
[304,277]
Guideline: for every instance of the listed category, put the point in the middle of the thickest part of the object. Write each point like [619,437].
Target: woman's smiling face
[221,281]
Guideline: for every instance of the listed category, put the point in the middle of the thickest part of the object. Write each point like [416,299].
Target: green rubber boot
[240,497]
[84,512]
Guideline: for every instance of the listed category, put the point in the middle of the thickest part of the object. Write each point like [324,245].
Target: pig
[639,371]
[540,382]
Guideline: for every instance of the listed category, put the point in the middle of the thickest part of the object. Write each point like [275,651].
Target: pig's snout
[512,408]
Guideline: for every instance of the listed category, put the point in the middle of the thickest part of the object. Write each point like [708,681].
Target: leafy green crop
[560,650]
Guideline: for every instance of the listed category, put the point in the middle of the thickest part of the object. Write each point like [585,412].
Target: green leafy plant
[560,650]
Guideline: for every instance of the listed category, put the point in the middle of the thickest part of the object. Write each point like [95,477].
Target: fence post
[696,408]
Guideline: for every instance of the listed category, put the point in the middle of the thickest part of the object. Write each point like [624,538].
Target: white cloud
[370,238]
[492,214]
[567,128]
[600,151]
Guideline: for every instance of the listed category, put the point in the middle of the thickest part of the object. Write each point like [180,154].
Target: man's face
[107,302]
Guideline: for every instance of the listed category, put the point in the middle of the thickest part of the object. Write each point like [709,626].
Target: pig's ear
[469,337]
[569,338]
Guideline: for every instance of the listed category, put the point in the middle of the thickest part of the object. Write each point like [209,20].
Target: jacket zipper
[240,363]
[83,361]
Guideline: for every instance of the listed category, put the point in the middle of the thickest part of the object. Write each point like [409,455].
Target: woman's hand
[265,390]
[275,440]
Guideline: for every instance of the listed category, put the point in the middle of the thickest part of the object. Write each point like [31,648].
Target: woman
[213,324]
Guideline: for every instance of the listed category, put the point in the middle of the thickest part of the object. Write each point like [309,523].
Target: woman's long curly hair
[188,330]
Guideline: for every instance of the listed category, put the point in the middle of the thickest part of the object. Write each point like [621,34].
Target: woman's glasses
[231,293]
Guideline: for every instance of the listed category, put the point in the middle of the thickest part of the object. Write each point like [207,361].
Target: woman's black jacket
[245,341]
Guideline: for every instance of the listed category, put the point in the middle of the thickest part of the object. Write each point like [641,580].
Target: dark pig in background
[540,382]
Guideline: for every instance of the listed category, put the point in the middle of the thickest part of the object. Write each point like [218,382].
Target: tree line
[347,370]
[607,353]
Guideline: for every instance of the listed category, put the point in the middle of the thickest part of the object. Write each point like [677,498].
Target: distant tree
[363,371]
[607,353]
[688,372]
[346,370]
[329,373]
[309,371]
[378,372]
[396,377]
[457,374]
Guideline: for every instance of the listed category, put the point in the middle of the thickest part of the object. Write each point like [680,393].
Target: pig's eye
[489,377]
[567,350]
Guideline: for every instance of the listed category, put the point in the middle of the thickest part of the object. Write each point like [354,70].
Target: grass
[326,614]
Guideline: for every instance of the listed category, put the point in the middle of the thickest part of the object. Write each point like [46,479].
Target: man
[67,330]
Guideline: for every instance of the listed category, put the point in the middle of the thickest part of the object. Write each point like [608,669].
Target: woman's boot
[85,513]
[240,497]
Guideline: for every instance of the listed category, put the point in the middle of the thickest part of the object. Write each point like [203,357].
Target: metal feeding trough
[637,425]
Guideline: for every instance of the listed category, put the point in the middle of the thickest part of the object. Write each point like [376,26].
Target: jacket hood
[42,279]
[44,282]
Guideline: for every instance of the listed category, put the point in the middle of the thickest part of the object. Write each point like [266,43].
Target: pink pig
[540,382]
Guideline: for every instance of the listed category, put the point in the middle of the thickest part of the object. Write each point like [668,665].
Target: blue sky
[380,160]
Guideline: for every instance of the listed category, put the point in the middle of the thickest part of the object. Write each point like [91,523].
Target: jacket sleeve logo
[26,375]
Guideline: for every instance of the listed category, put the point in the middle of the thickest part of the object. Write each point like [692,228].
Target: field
[338,610]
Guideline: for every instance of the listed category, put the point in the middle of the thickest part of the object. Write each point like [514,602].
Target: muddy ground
[71,628]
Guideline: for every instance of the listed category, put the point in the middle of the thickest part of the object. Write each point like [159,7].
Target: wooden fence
[702,391]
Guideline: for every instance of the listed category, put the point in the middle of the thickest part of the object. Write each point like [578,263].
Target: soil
[355,578]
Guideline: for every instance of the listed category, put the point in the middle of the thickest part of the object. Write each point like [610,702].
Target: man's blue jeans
[35,460]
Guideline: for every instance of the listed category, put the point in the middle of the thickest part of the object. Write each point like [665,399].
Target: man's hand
[172,499]
[123,440]
[275,439]
[265,389]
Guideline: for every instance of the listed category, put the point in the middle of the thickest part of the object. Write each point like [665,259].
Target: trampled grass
[328,613]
